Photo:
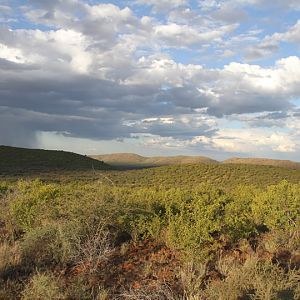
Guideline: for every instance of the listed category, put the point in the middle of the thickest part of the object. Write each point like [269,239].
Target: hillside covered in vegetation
[226,176]
[22,160]
[264,162]
[185,232]
[131,160]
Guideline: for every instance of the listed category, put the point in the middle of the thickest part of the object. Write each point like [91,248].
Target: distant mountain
[20,160]
[131,160]
[14,160]
[265,162]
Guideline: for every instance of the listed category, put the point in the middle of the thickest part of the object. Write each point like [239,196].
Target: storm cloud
[103,72]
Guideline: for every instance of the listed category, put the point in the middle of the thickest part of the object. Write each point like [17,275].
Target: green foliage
[225,176]
[31,201]
[238,214]
[76,223]
[186,219]
[193,220]
[279,206]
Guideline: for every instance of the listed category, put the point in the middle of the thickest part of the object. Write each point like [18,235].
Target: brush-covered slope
[14,159]
[265,162]
[226,176]
[132,160]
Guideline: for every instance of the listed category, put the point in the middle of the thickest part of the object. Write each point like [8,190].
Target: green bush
[239,215]
[75,224]
[32,203]
[279,206]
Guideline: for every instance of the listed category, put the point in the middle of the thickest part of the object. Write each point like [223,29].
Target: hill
[135,161]
[131,160]
[14,160]
[264,162]
[227,176]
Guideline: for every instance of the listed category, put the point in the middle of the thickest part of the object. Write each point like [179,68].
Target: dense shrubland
[98,240]
[225,176]
[23,161]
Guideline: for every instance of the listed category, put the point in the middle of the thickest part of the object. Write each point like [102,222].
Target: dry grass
[9,256]
[43,287]
[159,292]
[255,279]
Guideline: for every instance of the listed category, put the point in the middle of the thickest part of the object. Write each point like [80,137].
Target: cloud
[271,43]
[85,105]
[102,72]
[182,127]
[93,102]
[208,5]
[183,35]
[262,141]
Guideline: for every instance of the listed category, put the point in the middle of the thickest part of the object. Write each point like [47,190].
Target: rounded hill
[131,160]
[14,160]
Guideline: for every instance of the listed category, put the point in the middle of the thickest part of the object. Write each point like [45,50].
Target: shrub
[278,207]
[256,280]
[32,203]
[238,213]
[51,244]
[67,243]
[43,287]
[197,220]
[92,247]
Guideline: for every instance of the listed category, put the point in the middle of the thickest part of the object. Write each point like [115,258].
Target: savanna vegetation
[19,161]
[179,232]
[135,161]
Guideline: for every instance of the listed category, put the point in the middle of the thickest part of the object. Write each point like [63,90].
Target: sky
[219,78]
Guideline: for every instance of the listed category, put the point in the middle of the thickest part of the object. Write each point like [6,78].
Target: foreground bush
[81,232]
[256,280]
[43,287]
[31,202]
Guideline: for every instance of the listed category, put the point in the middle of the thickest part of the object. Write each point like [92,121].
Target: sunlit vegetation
[225,176]
[133,161]
[180,232]
[195,231]
[265,162]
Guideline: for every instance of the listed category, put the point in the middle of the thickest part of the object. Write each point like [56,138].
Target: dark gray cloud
[7,65]
[239,103]
[85,106]
[101,72]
